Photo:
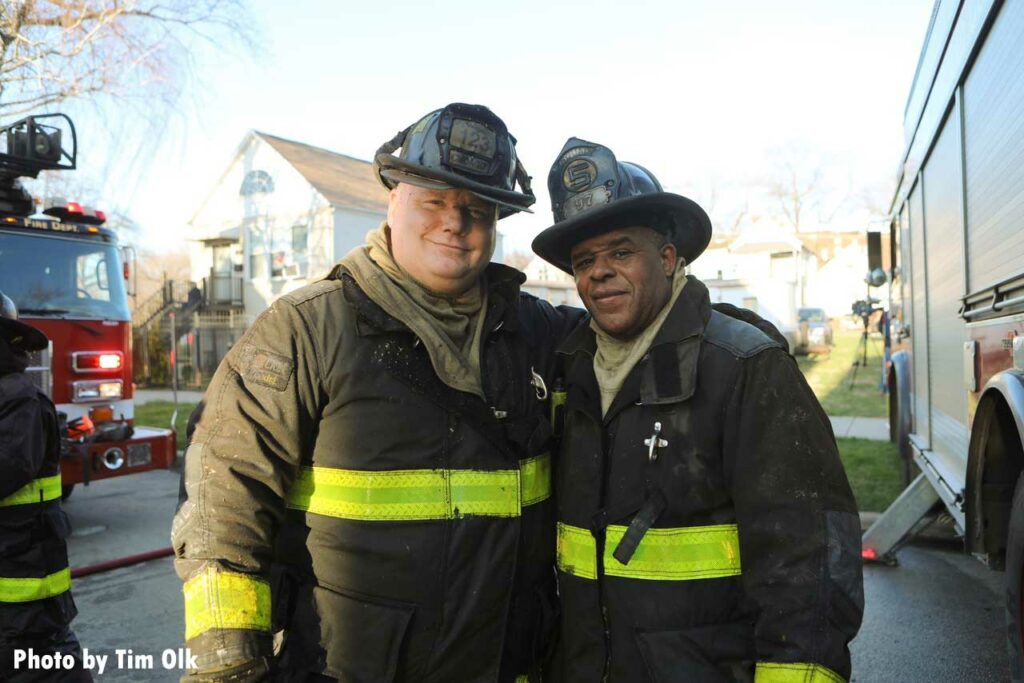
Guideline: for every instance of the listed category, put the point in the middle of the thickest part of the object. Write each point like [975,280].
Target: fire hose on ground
[120,562]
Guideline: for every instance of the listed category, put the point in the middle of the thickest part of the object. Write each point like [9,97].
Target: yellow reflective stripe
[36,491]
[682,554]
[494,493]
[536,479]
[576,551]
[402,495]
[699,552]
[215,599]
[26,590]
[795,672]
[522,679]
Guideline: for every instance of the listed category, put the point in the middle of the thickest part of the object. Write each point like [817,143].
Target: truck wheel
[65,491]
[1015,584]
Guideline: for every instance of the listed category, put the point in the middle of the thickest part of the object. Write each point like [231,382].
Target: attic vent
[256,181]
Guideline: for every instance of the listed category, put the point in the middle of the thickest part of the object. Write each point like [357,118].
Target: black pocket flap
[718,653]
[360,637]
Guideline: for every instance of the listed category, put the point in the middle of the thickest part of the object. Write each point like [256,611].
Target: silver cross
[654,443]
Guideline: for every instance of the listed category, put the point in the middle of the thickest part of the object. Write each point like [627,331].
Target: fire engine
[956,309]
[69,278]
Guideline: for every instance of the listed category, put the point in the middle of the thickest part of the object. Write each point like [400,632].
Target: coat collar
[503,285]
[667,373]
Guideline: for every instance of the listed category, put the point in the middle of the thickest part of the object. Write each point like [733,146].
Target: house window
[256,182]
[258,266]
[300,237]
[300,250]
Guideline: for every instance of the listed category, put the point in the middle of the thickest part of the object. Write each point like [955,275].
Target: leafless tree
[53,51]
[802,184]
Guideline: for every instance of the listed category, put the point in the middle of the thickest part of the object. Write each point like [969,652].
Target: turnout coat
[706,528]
[35,581]
[403,530]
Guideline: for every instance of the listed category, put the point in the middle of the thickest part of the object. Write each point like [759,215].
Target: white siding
[350,228]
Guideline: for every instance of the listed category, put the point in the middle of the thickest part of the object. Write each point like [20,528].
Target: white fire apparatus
[956,377]
[66,274]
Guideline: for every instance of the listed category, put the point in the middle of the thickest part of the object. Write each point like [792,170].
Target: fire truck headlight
[96,390]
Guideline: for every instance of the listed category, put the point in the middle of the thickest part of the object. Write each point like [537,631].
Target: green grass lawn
[873,470]
[158,414]
[829,377]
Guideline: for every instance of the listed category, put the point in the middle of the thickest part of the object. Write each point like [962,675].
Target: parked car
[814,332]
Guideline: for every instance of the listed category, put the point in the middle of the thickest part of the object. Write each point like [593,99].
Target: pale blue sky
[702,93]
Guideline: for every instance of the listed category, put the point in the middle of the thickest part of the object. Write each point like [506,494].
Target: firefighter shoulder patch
[266,368]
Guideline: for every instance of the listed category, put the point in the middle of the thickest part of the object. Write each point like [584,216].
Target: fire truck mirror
[874,250]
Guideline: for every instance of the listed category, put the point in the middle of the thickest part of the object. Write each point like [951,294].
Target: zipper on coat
[601,538]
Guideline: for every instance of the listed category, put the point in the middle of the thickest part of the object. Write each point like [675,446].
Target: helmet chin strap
[523,178]
[391,145]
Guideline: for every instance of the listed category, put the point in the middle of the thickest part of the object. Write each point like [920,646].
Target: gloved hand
[251,671]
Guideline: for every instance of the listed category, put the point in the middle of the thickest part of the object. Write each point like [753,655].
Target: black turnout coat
[404,529]
[35,601]
[731,546]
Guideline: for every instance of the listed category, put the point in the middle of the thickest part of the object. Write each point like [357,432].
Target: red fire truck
[956,376]
[67,276]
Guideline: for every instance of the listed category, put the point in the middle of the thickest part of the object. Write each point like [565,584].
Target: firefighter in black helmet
[36,608]
[369,484]
[706,530]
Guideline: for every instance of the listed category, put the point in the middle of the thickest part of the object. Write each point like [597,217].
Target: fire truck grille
[39,370]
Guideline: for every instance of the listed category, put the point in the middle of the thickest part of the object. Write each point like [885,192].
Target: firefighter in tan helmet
[368,489]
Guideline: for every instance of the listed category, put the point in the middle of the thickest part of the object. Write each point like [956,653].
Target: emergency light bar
[73,212]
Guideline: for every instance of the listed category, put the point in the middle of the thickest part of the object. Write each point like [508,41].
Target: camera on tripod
[864,307]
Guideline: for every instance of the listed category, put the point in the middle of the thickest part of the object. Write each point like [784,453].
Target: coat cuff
[795,672]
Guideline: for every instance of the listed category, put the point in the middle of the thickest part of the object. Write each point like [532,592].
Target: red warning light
[869,554]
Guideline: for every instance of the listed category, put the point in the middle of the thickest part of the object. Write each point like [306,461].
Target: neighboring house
[547,282]
[774,271]
[278,218]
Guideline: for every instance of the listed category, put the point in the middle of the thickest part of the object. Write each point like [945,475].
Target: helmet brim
[22,335]
[392,170]
[691,227]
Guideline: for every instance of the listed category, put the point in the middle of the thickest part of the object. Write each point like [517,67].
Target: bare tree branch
[52,51]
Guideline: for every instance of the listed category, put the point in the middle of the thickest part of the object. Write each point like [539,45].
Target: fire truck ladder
[883,538]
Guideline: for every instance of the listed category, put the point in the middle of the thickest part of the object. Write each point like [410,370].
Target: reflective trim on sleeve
[36,491]
[216,599]
[680,554]
[26,590]
[536,479]
[405,495]
[795,672]
[577,551]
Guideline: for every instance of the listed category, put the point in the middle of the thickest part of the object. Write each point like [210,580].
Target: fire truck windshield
[62,277]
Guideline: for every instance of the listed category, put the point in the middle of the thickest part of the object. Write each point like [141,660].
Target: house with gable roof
[278,218]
